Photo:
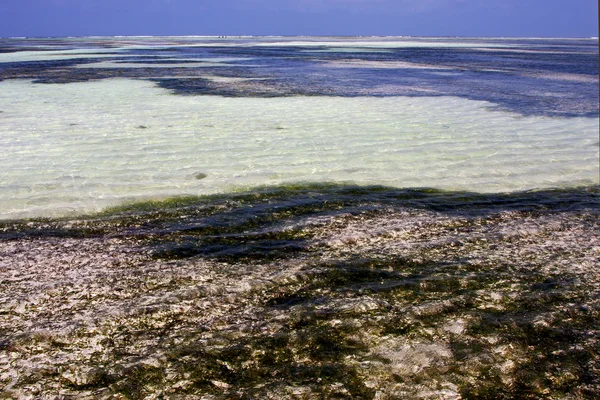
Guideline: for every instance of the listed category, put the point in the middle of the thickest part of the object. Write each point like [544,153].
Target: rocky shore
[307,292]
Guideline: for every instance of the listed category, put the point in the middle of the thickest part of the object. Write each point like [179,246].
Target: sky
[518,18]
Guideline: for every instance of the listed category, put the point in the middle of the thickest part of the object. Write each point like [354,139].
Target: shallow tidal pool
[80,147]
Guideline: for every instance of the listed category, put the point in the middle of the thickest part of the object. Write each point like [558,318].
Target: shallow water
[314,282]
[91,123]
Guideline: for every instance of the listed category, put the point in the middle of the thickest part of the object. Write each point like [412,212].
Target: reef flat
[307,292]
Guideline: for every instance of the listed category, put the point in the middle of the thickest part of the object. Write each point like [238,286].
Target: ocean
[299,218]
[97,122]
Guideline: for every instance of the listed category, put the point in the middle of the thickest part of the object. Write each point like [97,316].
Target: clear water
[94,122]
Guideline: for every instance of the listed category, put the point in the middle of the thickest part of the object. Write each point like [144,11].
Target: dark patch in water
[504,76]
[202,86]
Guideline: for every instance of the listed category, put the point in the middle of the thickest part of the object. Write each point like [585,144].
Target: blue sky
[543,18]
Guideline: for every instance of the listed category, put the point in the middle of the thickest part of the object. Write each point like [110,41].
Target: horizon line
[296,36]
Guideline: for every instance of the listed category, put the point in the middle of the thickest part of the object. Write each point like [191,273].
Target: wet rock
[84,376]
[398,312]
[456,327]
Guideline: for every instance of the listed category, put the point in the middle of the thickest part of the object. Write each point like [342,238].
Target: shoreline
[582,194]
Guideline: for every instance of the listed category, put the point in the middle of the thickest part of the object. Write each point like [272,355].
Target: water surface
[87,123]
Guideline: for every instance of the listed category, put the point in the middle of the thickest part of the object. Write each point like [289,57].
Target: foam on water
[382,64]
[394,43]
[80,147]
[117,65]
[55,55]
[348,50]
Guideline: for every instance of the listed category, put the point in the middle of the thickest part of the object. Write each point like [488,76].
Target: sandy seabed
[305,295]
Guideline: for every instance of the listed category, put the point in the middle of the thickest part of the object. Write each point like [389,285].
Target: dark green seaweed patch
[173,220]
